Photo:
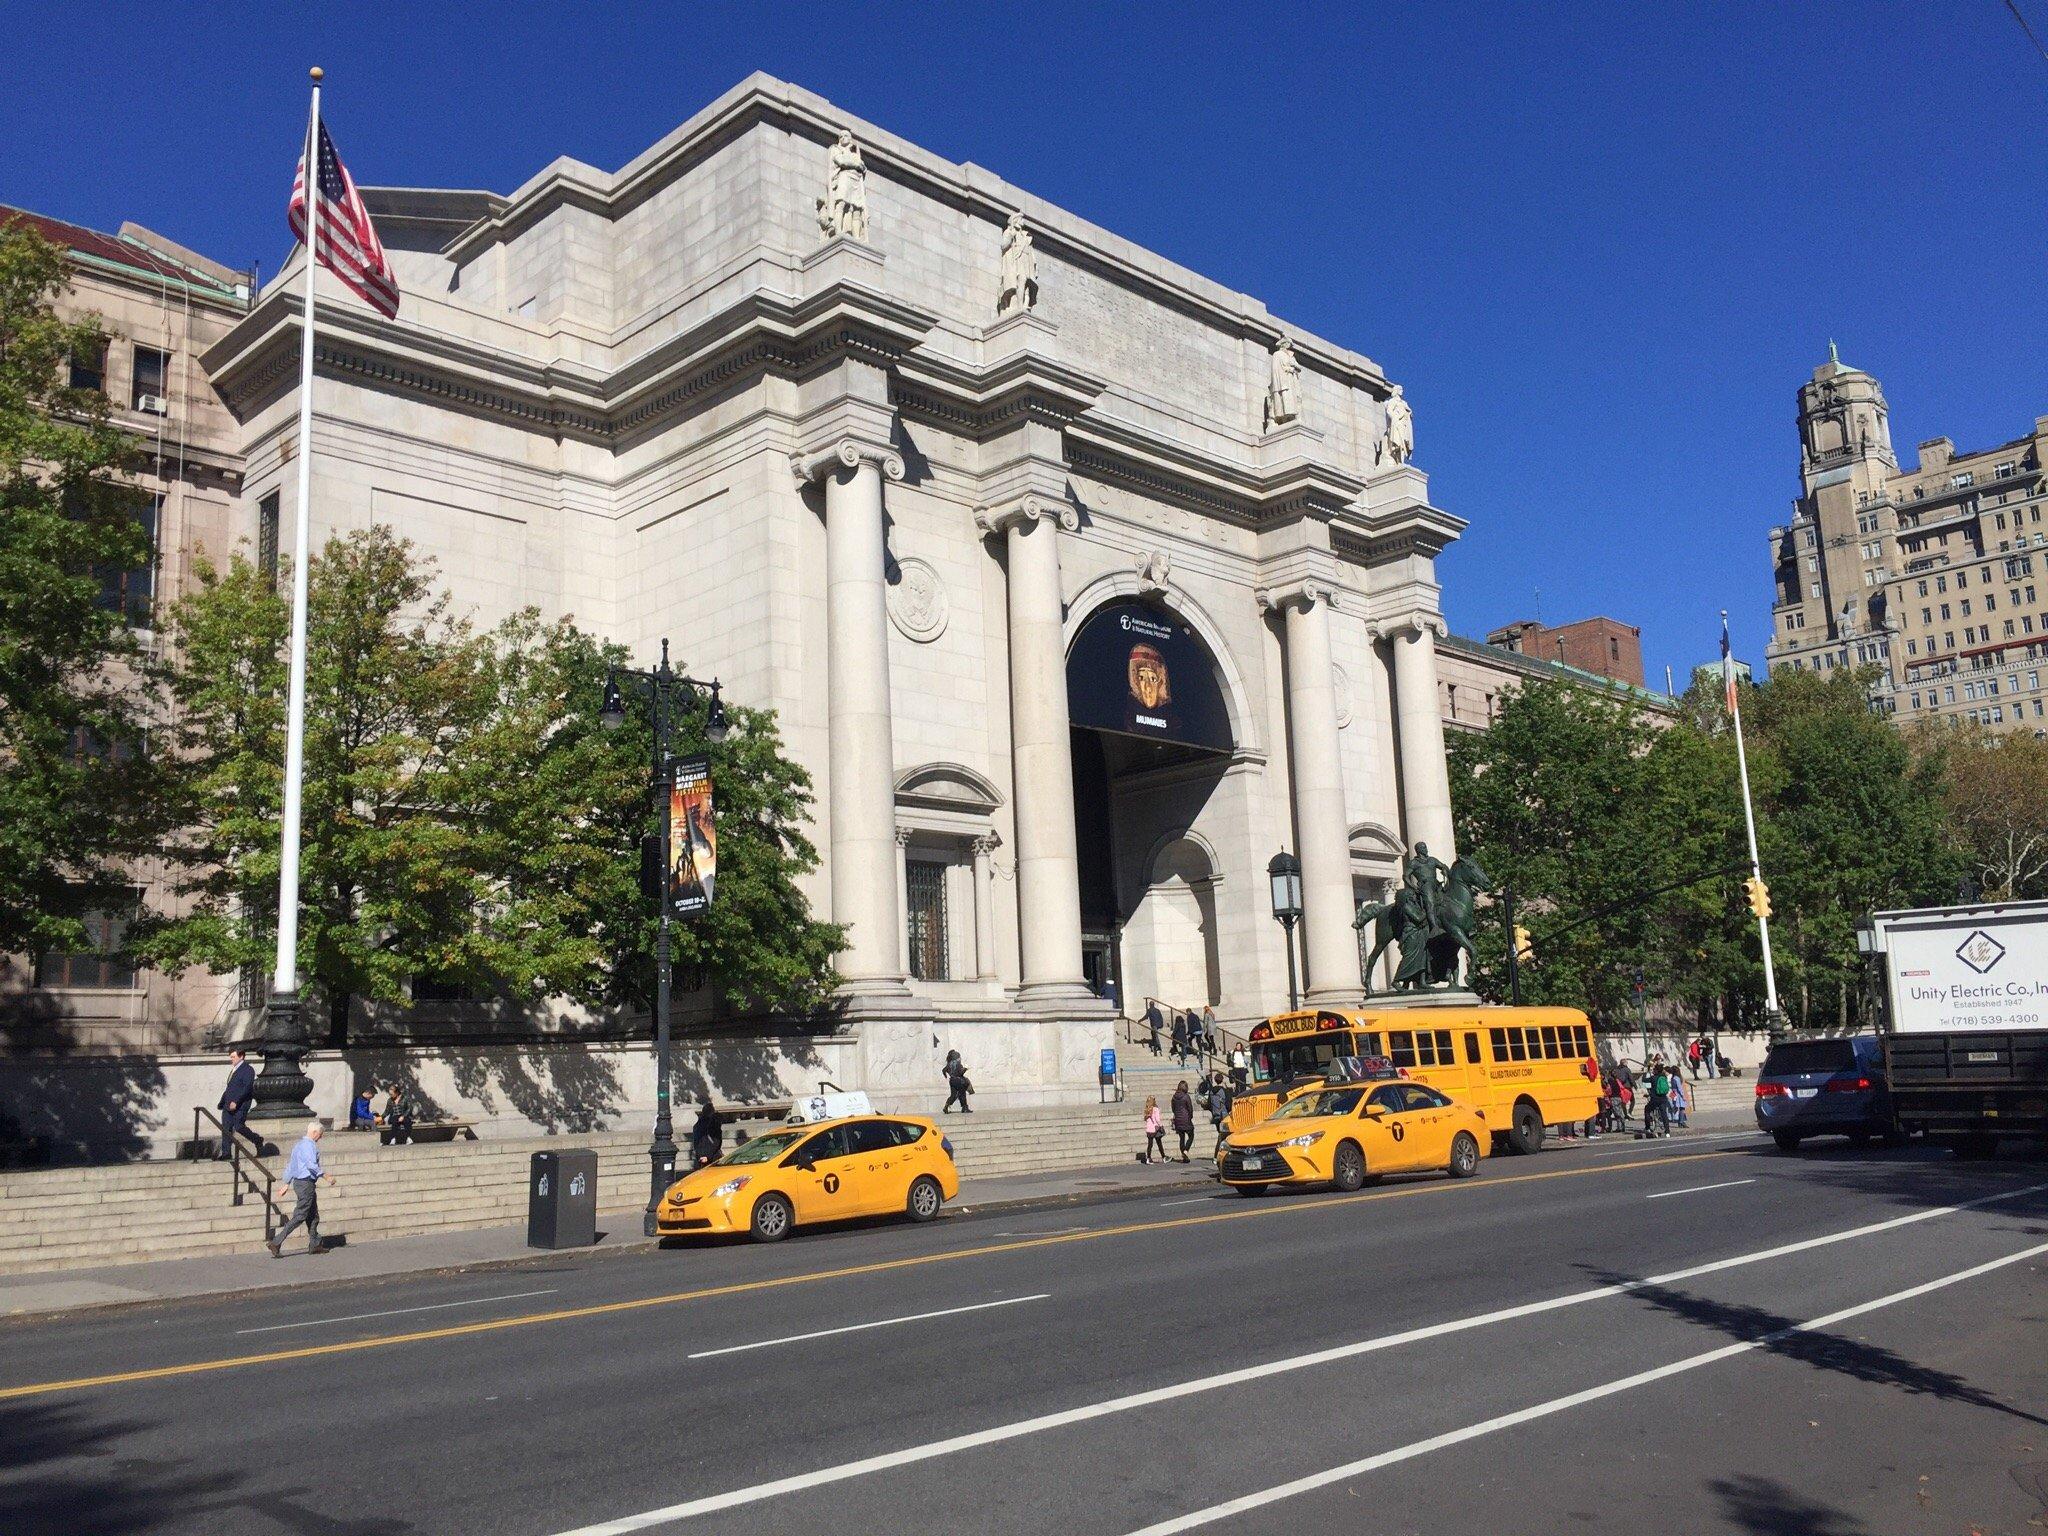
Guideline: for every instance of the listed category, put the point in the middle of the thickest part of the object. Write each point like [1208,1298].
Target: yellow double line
[609,1308]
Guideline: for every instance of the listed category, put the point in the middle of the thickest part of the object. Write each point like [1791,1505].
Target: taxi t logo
[1400,1130]
[831,1183]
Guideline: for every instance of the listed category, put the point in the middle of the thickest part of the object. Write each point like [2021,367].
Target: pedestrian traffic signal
[1759,896]
[1525,948]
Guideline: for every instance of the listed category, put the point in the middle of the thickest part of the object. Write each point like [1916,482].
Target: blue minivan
[1825,1087]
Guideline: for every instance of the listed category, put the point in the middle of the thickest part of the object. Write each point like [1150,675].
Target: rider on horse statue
[1430,918]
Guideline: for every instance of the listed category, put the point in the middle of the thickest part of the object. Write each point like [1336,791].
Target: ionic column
[1329,943]
[865,859]
[1425,776]
[1042,767]
[984,908]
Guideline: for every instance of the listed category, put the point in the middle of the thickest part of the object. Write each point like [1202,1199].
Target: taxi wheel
[925,1198]
[1249,1189]
[1347,1169]
[771,1220]
[1464,1156]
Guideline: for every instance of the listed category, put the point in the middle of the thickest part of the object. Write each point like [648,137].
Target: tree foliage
[466,818]
[76,804]
[1997,788]
[1585,808]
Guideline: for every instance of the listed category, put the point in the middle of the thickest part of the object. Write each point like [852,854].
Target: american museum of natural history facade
[1080,584]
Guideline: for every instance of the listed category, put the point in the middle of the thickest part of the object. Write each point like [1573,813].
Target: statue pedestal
[1438,997]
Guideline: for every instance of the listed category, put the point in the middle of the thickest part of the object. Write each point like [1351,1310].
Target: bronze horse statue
[1429,957]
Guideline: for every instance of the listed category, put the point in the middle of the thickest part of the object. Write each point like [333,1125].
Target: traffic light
[1525,947]
[1759,896]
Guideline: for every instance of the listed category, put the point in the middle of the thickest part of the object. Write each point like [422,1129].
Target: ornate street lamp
[1285,875]
[667,690]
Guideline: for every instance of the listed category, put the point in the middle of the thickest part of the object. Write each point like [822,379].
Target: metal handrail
[241,1182]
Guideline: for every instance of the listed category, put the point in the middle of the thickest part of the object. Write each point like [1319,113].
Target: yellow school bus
[1526,1068]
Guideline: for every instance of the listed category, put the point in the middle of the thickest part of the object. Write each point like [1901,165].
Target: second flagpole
[280,1093]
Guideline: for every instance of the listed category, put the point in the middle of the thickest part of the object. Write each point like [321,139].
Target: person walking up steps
[958,1085]
[1183,1118]
[1155,1134]
[303,1176]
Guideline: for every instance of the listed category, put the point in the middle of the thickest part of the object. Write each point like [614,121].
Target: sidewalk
[618,1232]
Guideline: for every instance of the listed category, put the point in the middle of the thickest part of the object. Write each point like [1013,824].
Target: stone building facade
[1081,584]
[160,306]
[1936,576]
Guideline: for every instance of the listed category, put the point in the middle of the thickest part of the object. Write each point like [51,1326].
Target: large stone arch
[1171,949]
[1112,585]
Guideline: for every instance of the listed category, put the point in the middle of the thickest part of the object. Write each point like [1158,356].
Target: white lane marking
[1698,1189]
[886,1322]
[625,1525]
[1055,1232]
[357,1317]
[1196,1200]
[1409,1452]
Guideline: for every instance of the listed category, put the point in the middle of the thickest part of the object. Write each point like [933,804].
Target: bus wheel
[1527,1135]
[1347,1171]
[1464,1156]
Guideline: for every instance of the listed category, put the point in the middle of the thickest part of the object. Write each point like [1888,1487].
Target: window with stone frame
[89,367]
[100,965]
[925,885]
[266,538]
[132,593]
[152,369]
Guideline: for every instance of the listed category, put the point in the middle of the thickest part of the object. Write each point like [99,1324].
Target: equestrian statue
[1430,918]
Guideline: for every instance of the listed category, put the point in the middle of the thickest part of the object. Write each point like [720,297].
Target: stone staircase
[68,1218]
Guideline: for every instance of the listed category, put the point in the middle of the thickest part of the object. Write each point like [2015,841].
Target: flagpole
[1756,872]
[281,1091]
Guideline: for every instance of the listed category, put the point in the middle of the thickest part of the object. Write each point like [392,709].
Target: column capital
[1026,509]
[1412,624]
[986,844]
[1303,594]
[847,453]
[903,836]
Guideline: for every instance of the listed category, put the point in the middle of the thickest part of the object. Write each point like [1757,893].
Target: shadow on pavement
[63,1473]
[1854,1358]
[1770,1508]
[1918,1177]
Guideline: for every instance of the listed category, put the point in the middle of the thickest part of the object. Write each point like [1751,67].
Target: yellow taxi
[828,1170]
[1346,1133]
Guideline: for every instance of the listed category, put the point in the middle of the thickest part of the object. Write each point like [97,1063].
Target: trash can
[561,1200]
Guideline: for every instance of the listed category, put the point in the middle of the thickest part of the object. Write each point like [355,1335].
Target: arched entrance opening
[1151,737]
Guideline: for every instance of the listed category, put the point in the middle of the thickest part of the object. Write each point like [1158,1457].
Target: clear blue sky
[1601,244]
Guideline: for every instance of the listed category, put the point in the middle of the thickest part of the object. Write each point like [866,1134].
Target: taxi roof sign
[828,1106]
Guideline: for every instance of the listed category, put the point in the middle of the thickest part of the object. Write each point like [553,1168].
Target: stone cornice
[763,99]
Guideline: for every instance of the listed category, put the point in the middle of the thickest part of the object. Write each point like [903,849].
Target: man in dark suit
[234,1104]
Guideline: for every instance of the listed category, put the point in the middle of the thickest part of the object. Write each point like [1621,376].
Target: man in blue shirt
[303,1173]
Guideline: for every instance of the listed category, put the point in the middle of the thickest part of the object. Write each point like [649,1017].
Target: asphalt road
[1694,1336]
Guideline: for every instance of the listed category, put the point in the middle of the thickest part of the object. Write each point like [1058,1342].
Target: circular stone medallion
[917,601]
[1340,684]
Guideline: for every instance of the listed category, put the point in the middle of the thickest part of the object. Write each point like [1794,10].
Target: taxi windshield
[1331,1101]
[763,1148]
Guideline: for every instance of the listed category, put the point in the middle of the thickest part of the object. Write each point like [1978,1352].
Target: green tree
[1853,822]
[1997,793]
[465,815]
[76,803]
[1550,801]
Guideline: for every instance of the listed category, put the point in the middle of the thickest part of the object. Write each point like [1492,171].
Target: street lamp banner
[692,839]
[1139,670]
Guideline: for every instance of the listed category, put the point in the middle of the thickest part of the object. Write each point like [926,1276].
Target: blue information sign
[1109,1066]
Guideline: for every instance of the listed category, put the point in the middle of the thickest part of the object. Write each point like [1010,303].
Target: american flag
[349,247]
[1727,666]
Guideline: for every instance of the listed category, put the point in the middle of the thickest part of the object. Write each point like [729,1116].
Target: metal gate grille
[925,881]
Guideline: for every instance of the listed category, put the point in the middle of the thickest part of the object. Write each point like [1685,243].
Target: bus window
[1580,1046]
[1518,1045]
[1445,1055]
[1500,1044]
[1472,1047]
[1401,1047]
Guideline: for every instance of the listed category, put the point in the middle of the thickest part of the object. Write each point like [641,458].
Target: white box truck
[1966,1019]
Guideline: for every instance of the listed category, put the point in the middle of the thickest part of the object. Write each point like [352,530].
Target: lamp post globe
[1283,874]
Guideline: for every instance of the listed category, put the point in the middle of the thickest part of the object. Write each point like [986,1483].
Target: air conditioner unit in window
[155,405]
